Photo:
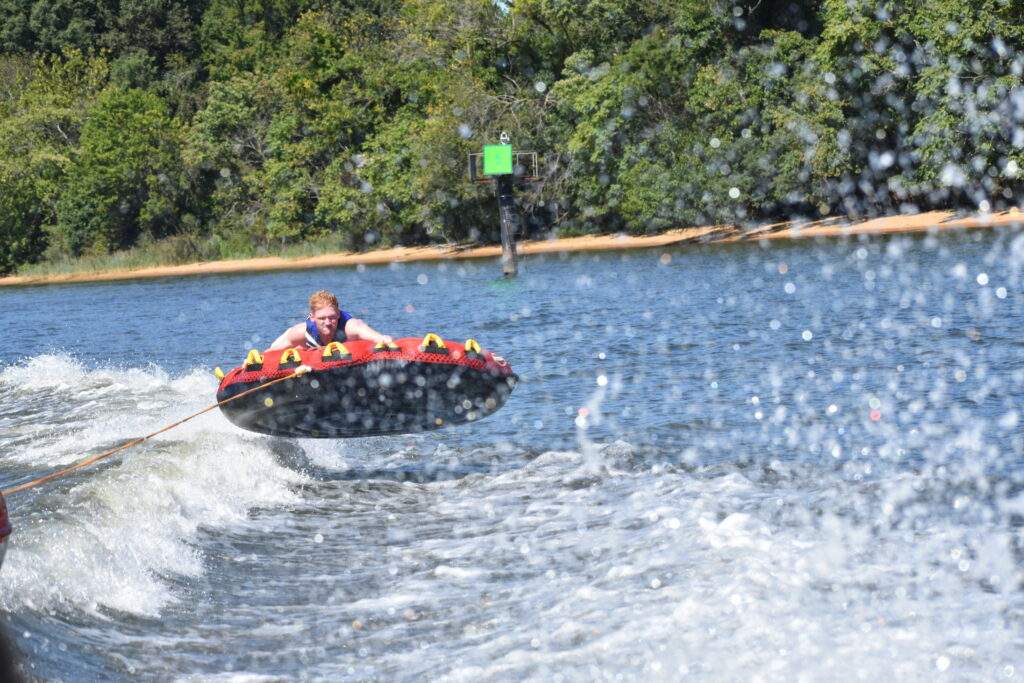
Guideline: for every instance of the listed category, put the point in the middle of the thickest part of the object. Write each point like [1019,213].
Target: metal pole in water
[509,213]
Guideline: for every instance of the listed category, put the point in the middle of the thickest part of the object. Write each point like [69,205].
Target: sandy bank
[833,227]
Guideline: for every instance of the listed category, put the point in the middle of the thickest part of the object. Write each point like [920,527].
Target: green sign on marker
[497,159]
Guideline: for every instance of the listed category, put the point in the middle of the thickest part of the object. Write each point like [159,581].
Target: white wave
[340,454]
[60,410]
[52,371]
[233,677]
[458,573]
[382,604]
[110,540]
[720,578]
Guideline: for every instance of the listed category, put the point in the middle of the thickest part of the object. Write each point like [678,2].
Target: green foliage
[237,35]
[759,140]
[21,237]
[126,179]
[183,129]
[42,114]
[158,27]
[609,113]
[228,146]
[602,27]
[928,92]
[15,35]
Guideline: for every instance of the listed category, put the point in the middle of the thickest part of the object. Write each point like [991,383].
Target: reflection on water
[730,463]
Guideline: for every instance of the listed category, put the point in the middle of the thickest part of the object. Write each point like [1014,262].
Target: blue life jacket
[313,340]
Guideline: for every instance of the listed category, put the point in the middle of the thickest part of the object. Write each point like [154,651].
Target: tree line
[228,123]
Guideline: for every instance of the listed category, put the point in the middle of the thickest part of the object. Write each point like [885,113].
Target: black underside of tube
[383,397]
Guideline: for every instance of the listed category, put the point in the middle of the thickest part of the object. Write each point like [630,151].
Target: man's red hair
[323,298]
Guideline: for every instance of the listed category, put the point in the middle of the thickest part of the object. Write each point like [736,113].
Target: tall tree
[44,106]
[127,178]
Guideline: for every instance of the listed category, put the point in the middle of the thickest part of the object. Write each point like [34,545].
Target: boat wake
[611,558]
[109,537]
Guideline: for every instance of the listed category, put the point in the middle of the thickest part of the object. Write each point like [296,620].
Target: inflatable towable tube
[362,389]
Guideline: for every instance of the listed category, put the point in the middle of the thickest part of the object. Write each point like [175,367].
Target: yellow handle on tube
[432,339]
[333,347]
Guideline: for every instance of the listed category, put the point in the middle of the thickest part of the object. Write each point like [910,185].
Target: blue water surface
[763,440]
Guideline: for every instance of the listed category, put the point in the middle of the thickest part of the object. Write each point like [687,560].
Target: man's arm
[357,329]
[293,336]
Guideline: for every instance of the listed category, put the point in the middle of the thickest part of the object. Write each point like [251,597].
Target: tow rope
[301,370]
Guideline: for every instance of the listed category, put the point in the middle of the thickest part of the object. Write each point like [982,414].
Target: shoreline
[934,221]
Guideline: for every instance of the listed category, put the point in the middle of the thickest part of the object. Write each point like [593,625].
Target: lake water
[790,462]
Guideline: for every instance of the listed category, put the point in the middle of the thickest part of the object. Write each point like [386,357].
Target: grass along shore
[153,262]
